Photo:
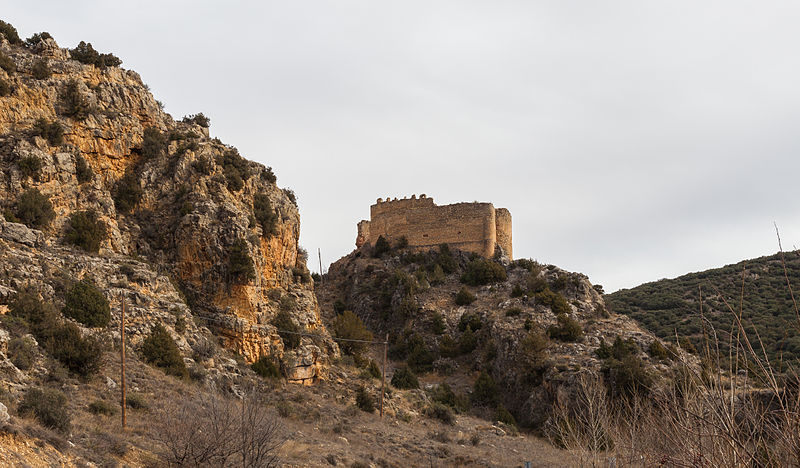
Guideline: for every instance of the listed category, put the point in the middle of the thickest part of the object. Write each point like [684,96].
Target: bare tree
[213,430]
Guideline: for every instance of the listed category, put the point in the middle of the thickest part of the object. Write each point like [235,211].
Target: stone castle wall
[472,227]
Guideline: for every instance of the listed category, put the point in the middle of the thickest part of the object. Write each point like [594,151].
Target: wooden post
[122,357]
[319,252]
[383,382]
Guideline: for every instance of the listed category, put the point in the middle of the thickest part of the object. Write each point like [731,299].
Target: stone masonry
[472,227]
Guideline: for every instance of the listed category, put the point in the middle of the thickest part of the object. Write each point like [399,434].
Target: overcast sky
[631,141]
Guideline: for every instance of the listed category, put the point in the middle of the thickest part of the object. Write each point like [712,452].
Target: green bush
[517,291]
[37,38]
[79,354]
[373,370]
[85,53]
[86,230]
[482,271]
[136,401]
[381,247]
[75,104]
[440,412]
[290,195]
[202,165]
[154,143]
[266,368]
[40,70]
[349,326]
[287,329]
[83,172]
[102,407]
[30,166]
[160,350]
[470,320]
[686,344]
[504,416]
[5,88]
[658,351]
[269,175]
[467,342]
[627,377]
[404,379]
[438,325]
[22,352]
[513,312]
[240,264]
[567,329]
[464,297]
[420,358]
[197,119]
[86,304]
[36,314]
[53,132]
[10,33]
[553,300]
[446,260]
[265,215]
[7,64]
[234,168]
[34,209]
[48,406]
[484,392]
[364,400]
[445,395]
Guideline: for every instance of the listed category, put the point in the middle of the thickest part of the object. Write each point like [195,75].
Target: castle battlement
[474,227]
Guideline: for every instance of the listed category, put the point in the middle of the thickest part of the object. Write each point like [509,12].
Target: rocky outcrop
[193,204]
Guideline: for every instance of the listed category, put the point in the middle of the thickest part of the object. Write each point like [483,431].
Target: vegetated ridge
[756,287]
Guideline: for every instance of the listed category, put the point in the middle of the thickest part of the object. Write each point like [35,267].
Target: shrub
[202,165]
[438,325]
[198,119]
[627,377]
[513,312]
[154,143]
[687,345]
[85,53]
[86,230]
[349,326]
[482,271]
[83,172]
[136,401]
[265,215]
[470,320]
[26,306]
[53,132]
[517,291]
[504,416]
[160,350]
[287,329]
[381,247]
[240,264]
[401,243]
[5,88]
[290,195]
[30,166]
[554,301]
[102,407]
[10,33]
[48,406]
[445,395]
[80,355]
[420,358]
[467,342]
[658,351]
[484,392]
[373,370]
[364,400]
[465,297]
[440,412]
[567,329]
[86,304]
[269,175]
[7,64]
[203,349]
[266,368]
[22,352]
[339,306]
[404,379]
[74,103]
[34,209]
[40,70]
[37,38]
[446,260]
[234,168]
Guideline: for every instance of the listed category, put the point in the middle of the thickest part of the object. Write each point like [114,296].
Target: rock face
[200,223]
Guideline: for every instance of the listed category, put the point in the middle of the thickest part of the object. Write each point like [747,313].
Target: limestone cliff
[182,205]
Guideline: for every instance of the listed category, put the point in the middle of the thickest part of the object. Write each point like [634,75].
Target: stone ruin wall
[472,227]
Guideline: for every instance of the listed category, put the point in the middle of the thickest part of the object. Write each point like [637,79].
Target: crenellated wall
[472,227]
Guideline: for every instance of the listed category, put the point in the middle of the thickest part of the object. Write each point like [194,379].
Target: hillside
[758,286]
[511,340]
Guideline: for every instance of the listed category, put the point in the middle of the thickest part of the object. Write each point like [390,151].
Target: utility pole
[319,252]
[122,358]
[383,381]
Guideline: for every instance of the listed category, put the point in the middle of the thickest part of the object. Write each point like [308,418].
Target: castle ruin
[472,227]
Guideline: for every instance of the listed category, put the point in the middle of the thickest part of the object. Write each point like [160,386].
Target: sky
[631,140]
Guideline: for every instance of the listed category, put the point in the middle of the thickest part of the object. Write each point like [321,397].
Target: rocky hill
[146,207]
[510,339]
[757,286]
